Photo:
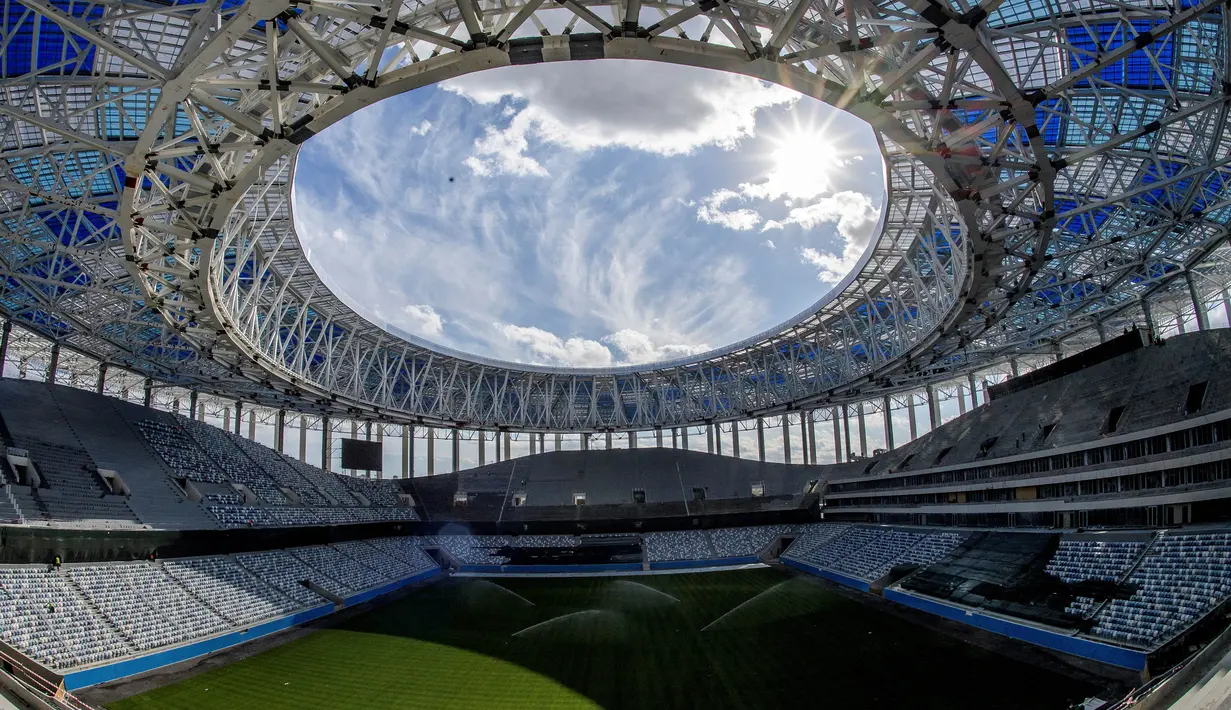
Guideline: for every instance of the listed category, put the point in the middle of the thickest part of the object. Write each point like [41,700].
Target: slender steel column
[147,395]
[846,431]
[102,382]
[1203,317]
[863,431]
[7,329]
[837,437]
[280,431]
[303,437]
[406,434]
[888,423]
[761,439]
[326,443]
[786,440]
[457,450]
[431,451]
[239,415]
[910,414]
[54,364]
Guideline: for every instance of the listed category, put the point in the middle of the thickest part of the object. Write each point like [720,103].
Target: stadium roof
[1051,166]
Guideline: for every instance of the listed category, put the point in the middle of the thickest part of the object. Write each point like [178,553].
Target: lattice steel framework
[1051,165]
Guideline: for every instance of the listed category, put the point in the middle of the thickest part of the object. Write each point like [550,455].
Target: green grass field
[744,639]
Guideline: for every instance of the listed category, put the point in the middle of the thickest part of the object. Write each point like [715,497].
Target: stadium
[985,467]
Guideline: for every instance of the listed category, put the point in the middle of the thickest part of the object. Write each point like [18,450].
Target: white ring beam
[1049,165]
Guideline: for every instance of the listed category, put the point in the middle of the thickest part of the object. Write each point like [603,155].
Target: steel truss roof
[1050,165]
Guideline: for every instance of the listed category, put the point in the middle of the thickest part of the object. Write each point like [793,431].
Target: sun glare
[802,162]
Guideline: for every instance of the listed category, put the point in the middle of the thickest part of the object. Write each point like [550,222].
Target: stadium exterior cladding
[1053,168]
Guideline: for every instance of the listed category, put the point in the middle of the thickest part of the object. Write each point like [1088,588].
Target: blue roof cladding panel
[75,169]
[54,53]
[1137,71]
[1157,171]
[1199,44]
[1107,116]
[1015,12]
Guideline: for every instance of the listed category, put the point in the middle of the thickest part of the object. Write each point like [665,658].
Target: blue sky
[589,213]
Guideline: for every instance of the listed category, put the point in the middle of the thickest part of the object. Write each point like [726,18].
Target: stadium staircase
[88,604]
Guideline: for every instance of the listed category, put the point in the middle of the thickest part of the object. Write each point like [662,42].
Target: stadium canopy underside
[1053,167]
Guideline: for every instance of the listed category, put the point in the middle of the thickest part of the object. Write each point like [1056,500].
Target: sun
[802,162]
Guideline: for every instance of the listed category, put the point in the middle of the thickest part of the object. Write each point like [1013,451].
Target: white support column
[838,456]
[508,445]
[559,442]
[709,438]
[933,408]
[303,436]
[974,391]
[812,436]
[407,432]
[632,440]
[803,438]
[888,423]
[863,431]
[532,444]
[1013,366]
[786,439]
[761,439]
[1203,319]
[326,443]
[408,465]
[1226,312]
[910,414]
[380,438]
[7,329]
[658,436]
[846,432]
[54,364]
[609,447]
[252,425]
[431,450]
[684,437]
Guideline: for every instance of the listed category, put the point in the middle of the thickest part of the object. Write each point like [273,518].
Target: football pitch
[739,639]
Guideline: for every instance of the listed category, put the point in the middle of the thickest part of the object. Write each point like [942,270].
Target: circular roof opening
[589,214]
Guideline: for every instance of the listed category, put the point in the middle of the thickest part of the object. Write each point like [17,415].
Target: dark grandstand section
[641,483]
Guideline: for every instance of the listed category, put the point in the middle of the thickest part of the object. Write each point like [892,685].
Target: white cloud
[543,348]
[711,211]
[854,213]
[539,346]
[421,129]
[769,243]
[503,151]
[635,346]
[856,218]
[422,320]
[613,104]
